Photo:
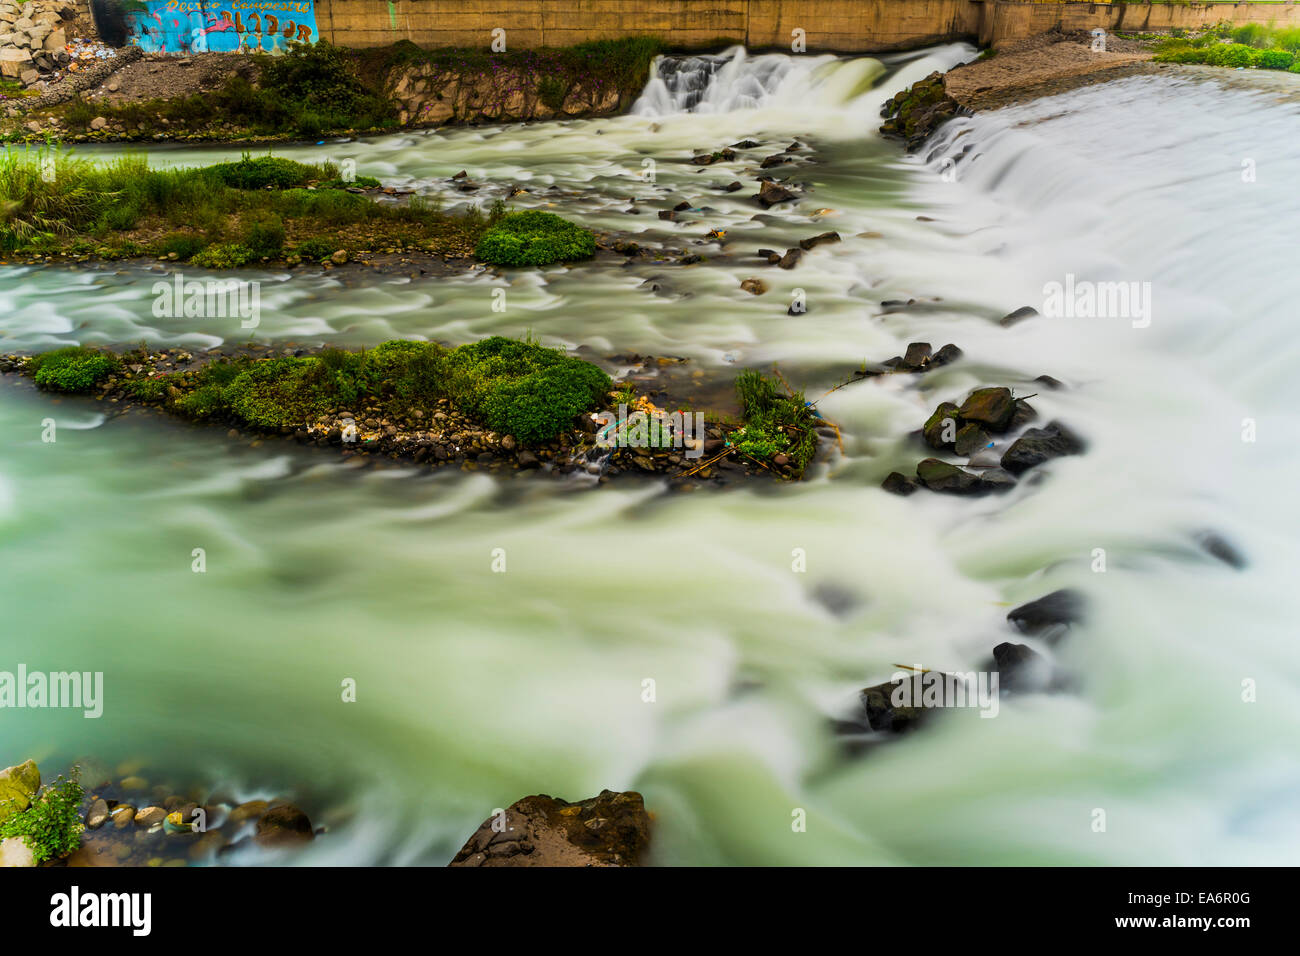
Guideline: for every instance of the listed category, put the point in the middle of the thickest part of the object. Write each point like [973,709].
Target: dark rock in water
[1039,445]
[283,826]
[746,144]
[1021,668]
[461,175]
[883,715]
[970,439]
[899,484]
[991,407]
[797,309]
[947,478]
[734,186]
[690,260]
[682,206]
[708,159]
[775,160]
[935,426]
[813,241]
[790,259]
[996,480]
[771,255]
[1022,313]
[1023,415]
[916,356]
[1217,546]
[945,356]
[771,193]
[1048,382]
[1050,615]
[836,598]
[668,214]
[612,829]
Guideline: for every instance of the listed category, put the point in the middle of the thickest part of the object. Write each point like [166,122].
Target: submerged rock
[1049,615]
[899,484]
[611,829]
[813,241]
[1215,545]
[1021,668]
[283,826]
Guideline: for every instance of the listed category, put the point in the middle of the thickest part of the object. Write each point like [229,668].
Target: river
[476,687]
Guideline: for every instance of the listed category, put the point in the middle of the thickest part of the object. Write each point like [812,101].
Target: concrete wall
[842,26]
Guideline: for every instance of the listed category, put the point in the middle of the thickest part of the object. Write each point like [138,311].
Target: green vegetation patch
[776,422]
[1249,46]
[516,388]
[51,826]
[73,369]
[219,217]
[534,239]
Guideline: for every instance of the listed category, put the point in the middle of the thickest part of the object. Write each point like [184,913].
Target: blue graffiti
[222,26]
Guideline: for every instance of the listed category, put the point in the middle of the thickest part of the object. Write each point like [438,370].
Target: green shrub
[223,255]
[1275,59]
[552,90]
[149,389]
[264,235]
[184,244]
[534,239]
[52,825]
[275,172]
[540,405]
[315,249]
[277,392]
[362,182]
[73,369]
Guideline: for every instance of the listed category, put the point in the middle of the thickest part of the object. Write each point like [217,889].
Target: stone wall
[841,26]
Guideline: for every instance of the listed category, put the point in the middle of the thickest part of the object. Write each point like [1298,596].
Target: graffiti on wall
[220,26]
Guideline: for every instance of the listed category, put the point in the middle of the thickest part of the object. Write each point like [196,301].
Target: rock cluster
[32,38]
[972,430]
[913,114]
[429,95]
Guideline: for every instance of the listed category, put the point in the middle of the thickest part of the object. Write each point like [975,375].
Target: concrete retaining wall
[840,26]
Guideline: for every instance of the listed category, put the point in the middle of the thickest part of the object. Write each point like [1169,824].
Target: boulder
[754,286]
[790,259]
[945,477]
[881,713]
[55,41]
[13,61]
[970,439]
[612,829]
[946,355]
[148,816]
[916,356]
[1039,445]
[18,786]
[991,407]
[771,193]
[935,426]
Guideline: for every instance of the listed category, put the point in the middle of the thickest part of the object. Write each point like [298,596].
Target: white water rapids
[476,688]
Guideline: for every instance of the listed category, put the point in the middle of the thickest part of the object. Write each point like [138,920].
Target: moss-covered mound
[534,239]
[516,388]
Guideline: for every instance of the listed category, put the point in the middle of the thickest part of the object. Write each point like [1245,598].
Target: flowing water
[475,688]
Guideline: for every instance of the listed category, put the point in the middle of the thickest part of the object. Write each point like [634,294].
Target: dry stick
[705,464]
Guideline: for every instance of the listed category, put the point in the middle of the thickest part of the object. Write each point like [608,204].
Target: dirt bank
[1040,66]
